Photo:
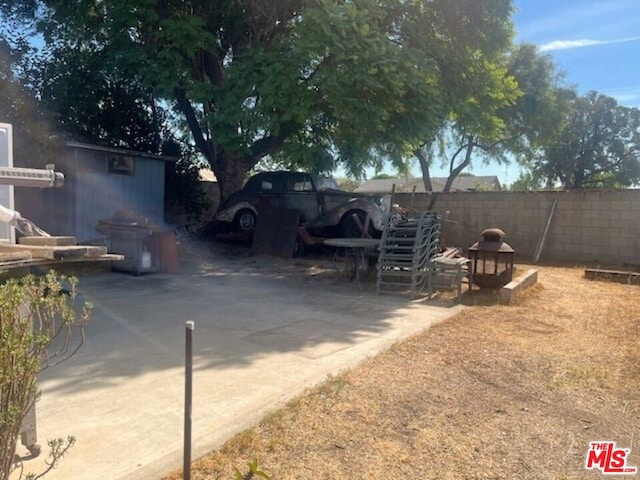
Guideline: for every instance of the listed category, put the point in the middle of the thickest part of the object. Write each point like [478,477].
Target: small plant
[58,448]
[37,326]
[332,387]
[254,471]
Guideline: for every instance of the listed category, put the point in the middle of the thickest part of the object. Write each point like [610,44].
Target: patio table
[355,249]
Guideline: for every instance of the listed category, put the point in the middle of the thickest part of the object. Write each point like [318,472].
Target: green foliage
[483,187]
[96,102]
[33,135]
[526,181]
[309,85]
[313,84]
[270,164]
[35,314]
[511,109]
[183,187]
[58,448]
[537,113]
[382,176]
[596,146]
[334,89]
[254,471]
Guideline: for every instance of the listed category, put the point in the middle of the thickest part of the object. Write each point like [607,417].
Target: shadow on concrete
[265,329]
[243,309]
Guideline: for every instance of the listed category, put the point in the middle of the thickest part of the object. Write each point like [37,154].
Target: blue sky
[596,43]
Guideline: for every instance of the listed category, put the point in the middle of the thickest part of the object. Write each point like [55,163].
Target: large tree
[33,136]
[316,81]
[55,93]
[512,109]
[597,145]
[97,104]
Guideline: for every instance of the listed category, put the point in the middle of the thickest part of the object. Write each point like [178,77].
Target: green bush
[183,188]
[36,315]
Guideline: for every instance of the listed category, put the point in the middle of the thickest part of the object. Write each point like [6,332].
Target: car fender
[335,215]
[229,214]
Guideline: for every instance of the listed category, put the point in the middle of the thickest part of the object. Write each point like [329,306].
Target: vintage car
[324,208]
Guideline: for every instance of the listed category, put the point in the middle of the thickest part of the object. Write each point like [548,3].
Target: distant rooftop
[467,183]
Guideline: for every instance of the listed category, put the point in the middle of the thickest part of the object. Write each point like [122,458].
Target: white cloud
[565,44]
[585,42]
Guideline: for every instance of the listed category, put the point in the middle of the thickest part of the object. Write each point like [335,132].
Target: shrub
[39,328]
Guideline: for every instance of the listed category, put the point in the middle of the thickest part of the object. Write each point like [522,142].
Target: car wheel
[245,221]
[348,226]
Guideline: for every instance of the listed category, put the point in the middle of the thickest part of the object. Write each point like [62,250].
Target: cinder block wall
[600,226]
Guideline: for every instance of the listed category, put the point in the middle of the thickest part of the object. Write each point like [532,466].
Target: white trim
[7,233]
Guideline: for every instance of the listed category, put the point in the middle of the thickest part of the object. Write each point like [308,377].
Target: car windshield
[325,183]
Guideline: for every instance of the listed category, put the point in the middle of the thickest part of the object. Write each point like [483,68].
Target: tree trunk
[454,172]
[578,175]
[231,171]
[424,166]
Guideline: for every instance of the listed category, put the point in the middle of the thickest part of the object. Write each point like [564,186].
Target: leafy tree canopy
[596,146]
[383,176]
[98,105]
[314,82]
[33,135]
[513,109]
[55,93]
[525,182]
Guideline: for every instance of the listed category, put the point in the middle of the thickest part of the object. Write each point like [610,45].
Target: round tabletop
[353,242]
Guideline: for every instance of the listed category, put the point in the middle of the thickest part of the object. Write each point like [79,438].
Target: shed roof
[120,151]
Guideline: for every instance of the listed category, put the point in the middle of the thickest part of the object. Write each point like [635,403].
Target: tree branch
[487,148]
[205,146]
[424,166]
[454,156]
[454,172]
[271,143]
[265,146]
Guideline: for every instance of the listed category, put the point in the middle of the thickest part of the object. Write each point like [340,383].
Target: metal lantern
[491,260]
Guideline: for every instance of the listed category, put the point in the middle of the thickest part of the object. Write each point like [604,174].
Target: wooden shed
[99,181]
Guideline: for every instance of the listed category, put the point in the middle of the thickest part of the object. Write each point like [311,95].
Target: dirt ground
[498,392]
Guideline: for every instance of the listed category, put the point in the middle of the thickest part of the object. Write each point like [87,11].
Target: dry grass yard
[498,392]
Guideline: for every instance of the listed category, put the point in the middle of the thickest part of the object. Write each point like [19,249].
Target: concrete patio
[259,341]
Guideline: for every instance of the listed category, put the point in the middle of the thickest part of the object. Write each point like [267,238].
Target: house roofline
[121,151]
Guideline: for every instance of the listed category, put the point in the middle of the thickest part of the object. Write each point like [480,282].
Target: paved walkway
[259,341]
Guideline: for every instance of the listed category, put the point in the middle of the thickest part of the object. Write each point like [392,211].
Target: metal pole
[188,393]
[547,224]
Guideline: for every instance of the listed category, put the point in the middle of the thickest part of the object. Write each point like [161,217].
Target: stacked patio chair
[448,272]
[406,248]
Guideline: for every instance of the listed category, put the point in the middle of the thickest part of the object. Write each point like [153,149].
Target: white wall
[6,191]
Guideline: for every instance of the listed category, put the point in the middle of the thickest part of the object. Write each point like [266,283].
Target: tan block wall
[601,226]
